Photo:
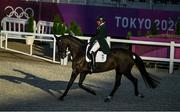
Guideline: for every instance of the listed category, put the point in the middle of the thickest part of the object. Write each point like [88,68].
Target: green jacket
[100,37]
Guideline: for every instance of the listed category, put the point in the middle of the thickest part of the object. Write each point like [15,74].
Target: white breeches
[95,47]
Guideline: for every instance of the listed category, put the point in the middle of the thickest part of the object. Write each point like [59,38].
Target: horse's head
[74,45]
[62,46]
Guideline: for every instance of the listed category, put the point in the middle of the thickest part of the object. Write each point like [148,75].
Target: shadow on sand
[43,84]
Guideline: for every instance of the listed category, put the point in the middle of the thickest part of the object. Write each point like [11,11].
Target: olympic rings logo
[18,12]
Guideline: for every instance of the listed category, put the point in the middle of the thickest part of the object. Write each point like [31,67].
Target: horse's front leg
[74,74]
[82,77]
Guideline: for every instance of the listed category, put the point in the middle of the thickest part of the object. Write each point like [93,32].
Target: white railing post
[1,39]
[171,61]
[66,58]
[62,61]
[54,50]
[31,46]
[109,41]
[4,23]
[6,39]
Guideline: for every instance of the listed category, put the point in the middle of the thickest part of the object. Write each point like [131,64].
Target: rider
[99,41]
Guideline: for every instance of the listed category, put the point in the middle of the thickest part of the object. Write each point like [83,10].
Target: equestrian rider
[99,41]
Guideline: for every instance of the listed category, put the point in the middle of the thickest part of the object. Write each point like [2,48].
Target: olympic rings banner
[119,20]
[18,12]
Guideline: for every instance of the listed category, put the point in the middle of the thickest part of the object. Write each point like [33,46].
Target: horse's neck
[76,50]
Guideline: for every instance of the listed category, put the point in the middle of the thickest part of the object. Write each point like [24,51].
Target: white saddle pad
[100,56]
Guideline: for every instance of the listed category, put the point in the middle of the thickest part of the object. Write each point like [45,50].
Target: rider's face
[98,22]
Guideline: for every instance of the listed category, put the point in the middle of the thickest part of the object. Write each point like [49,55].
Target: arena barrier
[14,28]
[20,36]
[45,27]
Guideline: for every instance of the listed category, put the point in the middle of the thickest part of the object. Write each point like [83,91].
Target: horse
[122,60]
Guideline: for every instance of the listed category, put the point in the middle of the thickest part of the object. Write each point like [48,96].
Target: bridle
[63,52]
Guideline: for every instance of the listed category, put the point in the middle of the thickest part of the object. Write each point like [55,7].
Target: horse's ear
[57,38]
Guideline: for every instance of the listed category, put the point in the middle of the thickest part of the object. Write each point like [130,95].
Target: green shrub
[147,33]
[75,29]
[63,29]
[30,24]
[129,34]
[153,29]
[59,27]
[178,27]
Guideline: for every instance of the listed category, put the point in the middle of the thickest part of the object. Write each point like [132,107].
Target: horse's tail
[148,79]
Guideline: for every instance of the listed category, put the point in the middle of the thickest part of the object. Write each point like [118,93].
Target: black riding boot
[92,62]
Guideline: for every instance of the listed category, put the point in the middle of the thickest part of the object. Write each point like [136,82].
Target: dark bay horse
[119,59]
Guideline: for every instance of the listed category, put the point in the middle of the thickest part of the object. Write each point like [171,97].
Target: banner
[119,21]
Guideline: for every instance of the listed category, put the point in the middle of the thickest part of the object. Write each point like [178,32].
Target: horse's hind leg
[73,77]
[81,79]
[135,83]
[116,86]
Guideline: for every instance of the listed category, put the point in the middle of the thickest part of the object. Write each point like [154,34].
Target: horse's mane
[82,43]
[75,39]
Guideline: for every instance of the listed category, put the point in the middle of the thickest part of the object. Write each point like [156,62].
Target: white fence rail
[172,45]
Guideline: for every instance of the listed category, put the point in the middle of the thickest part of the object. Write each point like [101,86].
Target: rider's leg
[95,47]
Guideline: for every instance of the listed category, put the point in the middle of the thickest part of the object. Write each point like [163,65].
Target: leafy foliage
[59,27]
[30,24]
[129,34]
[75,28]
[153,29]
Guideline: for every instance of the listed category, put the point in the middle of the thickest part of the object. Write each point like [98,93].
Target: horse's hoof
[140,95]
[108,99]
[61,98]
[93,93]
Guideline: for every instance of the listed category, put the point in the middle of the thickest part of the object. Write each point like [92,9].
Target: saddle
[100,56]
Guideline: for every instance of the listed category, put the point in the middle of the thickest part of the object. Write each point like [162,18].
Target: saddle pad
[100,56]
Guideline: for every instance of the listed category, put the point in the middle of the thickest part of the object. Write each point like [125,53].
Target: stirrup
[92,69]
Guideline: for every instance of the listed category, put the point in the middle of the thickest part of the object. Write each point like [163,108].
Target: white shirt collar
[100,25]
